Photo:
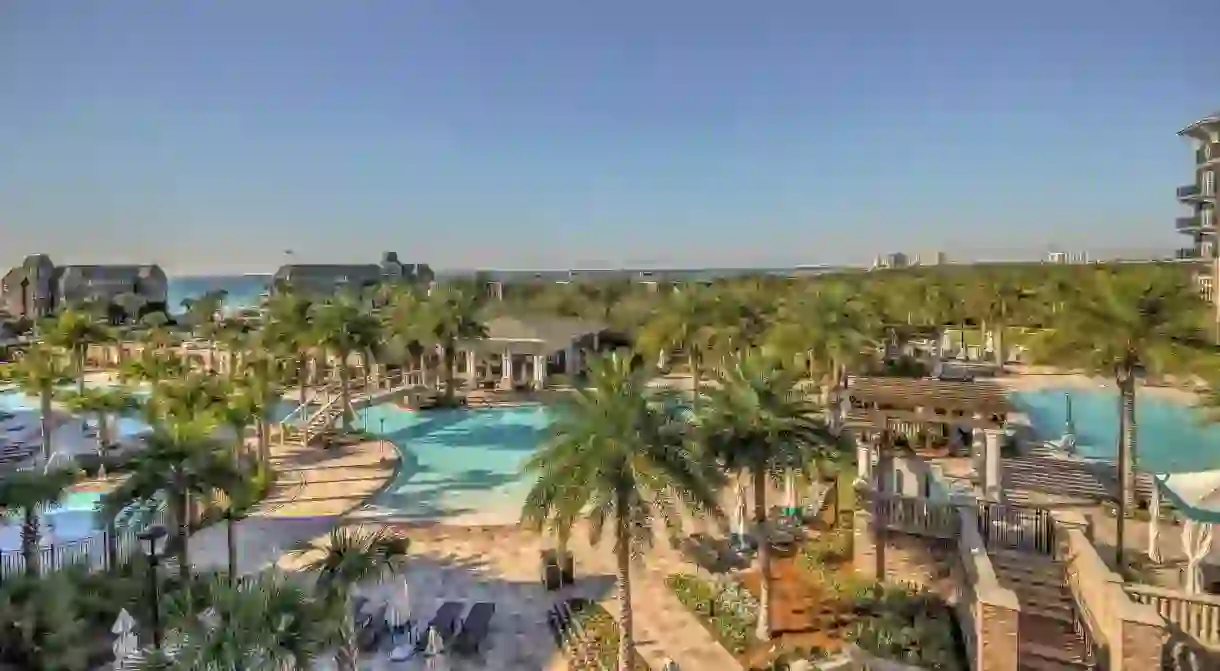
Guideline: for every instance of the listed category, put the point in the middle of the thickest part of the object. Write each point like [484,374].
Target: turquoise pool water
[1171,438]
[457,462]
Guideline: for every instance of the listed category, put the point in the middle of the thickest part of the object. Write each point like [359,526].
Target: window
[1209,183]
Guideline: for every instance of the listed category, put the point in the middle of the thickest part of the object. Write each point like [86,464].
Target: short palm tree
[828,331]
[287,331]
[343,327]
[104,403]
[1122,325]
[74,331]
[760,422]
[265,623]
[618,457]
[451,315]
[180,463]
[349,557]
[39,373]
[29,493]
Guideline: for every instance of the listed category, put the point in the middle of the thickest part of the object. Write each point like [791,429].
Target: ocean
[244,291]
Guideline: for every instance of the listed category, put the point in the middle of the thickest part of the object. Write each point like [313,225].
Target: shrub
[728,609]
[907,625]
[601,631]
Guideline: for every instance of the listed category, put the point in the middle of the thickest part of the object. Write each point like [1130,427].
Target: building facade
[1199,197]
[38,287]
[327,278]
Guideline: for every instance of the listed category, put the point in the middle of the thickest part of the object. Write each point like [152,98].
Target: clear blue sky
[211,136]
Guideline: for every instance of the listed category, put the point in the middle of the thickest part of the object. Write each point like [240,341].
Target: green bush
[909,626]
[726,613]
[601,630]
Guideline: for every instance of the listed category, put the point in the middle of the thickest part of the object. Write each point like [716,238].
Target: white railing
[89,551]
[1197,615]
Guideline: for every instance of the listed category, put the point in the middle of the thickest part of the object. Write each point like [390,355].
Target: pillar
[569,360]
[539,372]
[506,370]
[471,369]
[864,462]
[992,485]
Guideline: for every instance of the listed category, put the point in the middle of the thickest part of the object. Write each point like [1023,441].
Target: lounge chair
[371,628]
[444,622]
[475,627]
[551,576]
[567,569]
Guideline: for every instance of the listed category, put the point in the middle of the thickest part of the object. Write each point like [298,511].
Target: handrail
[311,399]
[1197,615]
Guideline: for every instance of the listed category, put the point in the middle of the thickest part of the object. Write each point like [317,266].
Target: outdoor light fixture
[154,544]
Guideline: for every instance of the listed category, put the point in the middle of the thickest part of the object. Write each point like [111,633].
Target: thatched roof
[907,393]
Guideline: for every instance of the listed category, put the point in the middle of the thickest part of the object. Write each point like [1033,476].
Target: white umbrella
[670,665]
[125,642]
[790,491]
[436,644]
[1196,542]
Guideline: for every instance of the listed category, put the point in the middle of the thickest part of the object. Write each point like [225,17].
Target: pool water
[1171,437]
[458,462]
[72,519]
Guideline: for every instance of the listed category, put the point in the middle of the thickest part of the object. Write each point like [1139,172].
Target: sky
[212,137]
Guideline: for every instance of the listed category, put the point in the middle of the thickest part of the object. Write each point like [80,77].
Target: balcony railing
[1188,191]
[1187,223]
[1188,254]
[1207,153]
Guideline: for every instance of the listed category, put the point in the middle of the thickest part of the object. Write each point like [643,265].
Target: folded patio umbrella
[1197,498]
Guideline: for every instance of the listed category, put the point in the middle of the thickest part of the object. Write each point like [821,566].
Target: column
[569,360]
[864,462]
[978,449]
[472,376]
[539,372]
[506,372]
[992,485]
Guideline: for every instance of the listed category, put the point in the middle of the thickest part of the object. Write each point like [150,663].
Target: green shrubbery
[907,625]
[728,610]
[601,631]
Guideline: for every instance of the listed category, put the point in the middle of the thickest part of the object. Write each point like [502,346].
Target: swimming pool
[71,520]
[1170,436]
[458,463]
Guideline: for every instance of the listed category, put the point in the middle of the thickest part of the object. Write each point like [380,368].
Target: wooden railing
[1197,615]
[922,517]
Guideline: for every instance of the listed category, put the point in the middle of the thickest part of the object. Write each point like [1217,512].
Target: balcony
[1188,191]
[1188,254]
[1208,153]
[1186,224]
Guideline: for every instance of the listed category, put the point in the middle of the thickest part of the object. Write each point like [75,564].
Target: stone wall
[917,560]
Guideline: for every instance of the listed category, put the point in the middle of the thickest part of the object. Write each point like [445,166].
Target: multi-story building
[893,260]
[1064,258]
[326,278]
[1200,195]
[38,287]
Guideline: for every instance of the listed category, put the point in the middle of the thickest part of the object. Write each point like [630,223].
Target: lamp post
[381,439]
[153,539]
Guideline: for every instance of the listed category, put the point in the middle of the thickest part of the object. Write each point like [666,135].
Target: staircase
[314,416]
[1041,470]
[1050,640]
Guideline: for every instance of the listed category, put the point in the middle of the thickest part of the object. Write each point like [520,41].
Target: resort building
[1065,258]
[38,287]
[1200,195]
[327,278]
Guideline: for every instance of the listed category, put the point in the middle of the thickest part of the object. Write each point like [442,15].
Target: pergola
[520,353]
[918,408]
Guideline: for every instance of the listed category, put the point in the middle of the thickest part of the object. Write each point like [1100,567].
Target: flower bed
[601,636]
[726,609]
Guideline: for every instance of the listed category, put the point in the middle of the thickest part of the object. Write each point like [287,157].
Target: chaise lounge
[444,622]
[475,628]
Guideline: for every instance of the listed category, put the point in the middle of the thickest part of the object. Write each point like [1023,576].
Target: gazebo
[521,353]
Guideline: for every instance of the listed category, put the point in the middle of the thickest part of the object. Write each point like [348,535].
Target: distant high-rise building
[894,260]
[1200,195]
[1064,258]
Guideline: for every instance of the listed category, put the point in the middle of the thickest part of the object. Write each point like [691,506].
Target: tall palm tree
[995,300]
[343,327]
[451,315]
[153,364]
[617,456]
[348,557]
[758,421]
[828,331]
[38,374]
[74,331]
[405,322]
[180,462]
[287,331]
[681,322]
[267,622]
[260,380]
[1121,325]
[30,492]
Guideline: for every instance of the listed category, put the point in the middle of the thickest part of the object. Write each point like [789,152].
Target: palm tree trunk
[348,651]
[1126,445]
[763,631]
[231,545]
[79,351]
[693,358]
[30,550]
[103,433]
[302,377]
[345,396]
[44,424]
[112,543]
[264,445]
[998,341]
[622,551]
[449,355]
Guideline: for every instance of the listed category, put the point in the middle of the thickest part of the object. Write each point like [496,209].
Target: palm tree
[452,315]
[73,331]
[260,382]
[153,364]
[404,321]
[348,557]
[681,322]
[266,623]
[180,462]
[104,402]
[758,421]
[994,300]
[132,305]
[38,374]
[618,456]
[1121,325]
[288,331]
[30,492]
[343,327]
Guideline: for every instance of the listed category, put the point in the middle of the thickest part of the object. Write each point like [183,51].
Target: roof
[1210,119]
[555,333]
[907,393]
[1196,495]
